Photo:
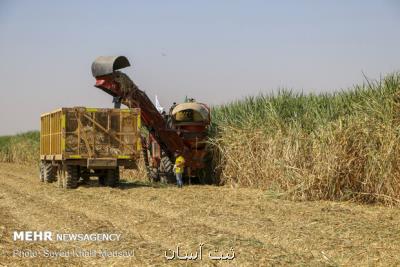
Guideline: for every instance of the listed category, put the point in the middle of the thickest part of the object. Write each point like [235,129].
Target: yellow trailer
[77,143]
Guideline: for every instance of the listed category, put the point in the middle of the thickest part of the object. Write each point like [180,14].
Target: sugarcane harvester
[183,129]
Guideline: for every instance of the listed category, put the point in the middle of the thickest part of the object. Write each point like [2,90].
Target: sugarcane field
[176,133]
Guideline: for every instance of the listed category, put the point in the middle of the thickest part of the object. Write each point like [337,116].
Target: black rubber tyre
[84,174]
[152,173]
[49,172]
[206,175]
[101,174]
[41,172]
[117,175]
[166,170]
[110,178]
[102,180]
[60,176]
[71,177]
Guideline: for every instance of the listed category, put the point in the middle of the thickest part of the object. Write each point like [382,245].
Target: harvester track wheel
[110,178]
[49,172]
[71,177]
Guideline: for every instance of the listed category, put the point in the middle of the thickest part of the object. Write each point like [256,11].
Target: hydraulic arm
[125,91]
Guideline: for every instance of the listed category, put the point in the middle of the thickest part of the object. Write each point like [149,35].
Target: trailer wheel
[60,176]
[71,177]
[166,170]
[84,174]
[110,178]
[41,172]
[49,172]
[102,180]
[117,175]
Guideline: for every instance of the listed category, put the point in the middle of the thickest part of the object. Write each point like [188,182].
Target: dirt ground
[152,219]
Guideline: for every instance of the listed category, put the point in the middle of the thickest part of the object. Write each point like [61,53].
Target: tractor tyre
[207,174]
[71,177]
[49,173]
[152,173]
[166,170]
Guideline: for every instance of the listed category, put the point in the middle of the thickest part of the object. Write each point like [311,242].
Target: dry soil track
[261,229]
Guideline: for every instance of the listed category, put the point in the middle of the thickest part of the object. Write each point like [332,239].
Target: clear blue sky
[214,51]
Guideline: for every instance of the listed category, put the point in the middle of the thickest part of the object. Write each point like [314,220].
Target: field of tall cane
[339,146]
[21,148]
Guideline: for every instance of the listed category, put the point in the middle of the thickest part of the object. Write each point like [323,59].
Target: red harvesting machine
[184,128]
